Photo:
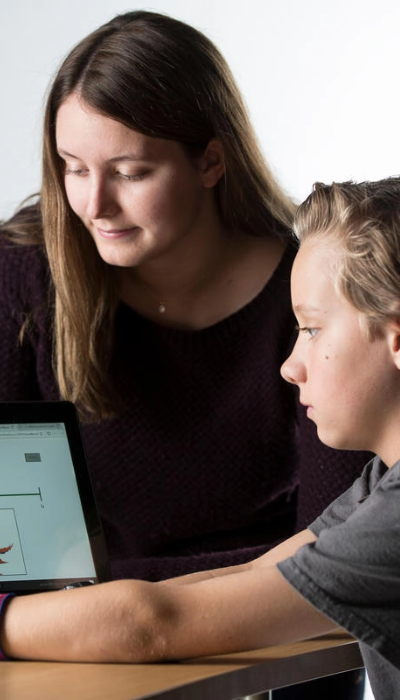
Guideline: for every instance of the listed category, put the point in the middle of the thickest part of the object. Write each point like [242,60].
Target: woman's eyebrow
[129,157]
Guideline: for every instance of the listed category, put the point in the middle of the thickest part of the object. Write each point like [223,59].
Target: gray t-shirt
[352,572]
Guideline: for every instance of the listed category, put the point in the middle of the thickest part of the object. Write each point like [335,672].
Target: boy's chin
[337,442]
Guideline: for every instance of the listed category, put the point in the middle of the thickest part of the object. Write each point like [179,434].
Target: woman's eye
[75,171]
[133,176]
[312,332]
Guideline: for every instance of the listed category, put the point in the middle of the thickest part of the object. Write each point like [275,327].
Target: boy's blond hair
[364,219]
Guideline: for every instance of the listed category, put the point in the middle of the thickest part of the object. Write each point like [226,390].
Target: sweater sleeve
[22,303]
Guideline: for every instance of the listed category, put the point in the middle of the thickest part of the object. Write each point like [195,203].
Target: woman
[167,309]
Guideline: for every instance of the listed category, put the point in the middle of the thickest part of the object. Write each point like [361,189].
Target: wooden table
[213,678]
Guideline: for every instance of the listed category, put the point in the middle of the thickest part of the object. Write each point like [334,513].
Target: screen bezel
[66,413]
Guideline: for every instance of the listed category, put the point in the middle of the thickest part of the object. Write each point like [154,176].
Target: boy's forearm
[136,621]
[279,553]
[198,576]
[109,622]
[285,549]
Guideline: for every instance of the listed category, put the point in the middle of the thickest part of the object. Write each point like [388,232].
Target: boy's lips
[308,407]
[309,411]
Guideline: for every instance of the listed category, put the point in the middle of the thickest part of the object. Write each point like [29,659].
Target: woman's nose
[100,202]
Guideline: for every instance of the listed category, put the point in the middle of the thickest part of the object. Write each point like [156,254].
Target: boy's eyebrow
[305,308]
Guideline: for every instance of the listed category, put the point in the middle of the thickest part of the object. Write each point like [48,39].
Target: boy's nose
[292,370]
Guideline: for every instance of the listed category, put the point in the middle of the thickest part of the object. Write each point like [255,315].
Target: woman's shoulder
[23,263]
[23,272]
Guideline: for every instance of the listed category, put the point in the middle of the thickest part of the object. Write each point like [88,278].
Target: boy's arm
[278,553]
[136,621]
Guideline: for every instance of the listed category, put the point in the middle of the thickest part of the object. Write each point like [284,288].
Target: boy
[346,363]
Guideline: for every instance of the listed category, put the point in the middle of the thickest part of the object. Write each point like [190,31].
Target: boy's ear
[394,331]
[212,163]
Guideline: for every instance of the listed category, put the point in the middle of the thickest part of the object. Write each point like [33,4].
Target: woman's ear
[212,163]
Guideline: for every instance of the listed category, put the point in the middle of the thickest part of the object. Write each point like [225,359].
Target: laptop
[50,531]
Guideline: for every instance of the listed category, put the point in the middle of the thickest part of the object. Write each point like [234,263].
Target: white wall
[320,78]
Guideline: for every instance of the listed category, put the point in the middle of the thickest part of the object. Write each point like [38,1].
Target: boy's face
[350,384]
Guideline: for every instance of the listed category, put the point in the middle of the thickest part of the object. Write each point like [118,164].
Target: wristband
[3,598]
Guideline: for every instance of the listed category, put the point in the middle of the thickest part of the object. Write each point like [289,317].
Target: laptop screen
[50,535]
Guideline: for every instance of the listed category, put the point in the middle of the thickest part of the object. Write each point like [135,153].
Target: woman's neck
[200,288]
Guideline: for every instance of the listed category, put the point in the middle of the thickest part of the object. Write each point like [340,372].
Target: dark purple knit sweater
[211,460]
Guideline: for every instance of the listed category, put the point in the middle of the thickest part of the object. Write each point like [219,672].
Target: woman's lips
[116,233]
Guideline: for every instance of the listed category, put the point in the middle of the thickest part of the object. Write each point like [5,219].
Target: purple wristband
[3,598]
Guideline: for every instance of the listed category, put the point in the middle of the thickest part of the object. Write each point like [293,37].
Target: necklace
[162,307]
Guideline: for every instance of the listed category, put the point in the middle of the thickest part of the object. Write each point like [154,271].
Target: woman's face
[141,198]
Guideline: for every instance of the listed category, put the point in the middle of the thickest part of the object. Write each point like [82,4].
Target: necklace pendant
[162,308]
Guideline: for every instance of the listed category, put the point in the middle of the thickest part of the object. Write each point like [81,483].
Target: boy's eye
[312,332]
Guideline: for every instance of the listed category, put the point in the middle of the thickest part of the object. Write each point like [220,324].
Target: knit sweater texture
[211,459]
